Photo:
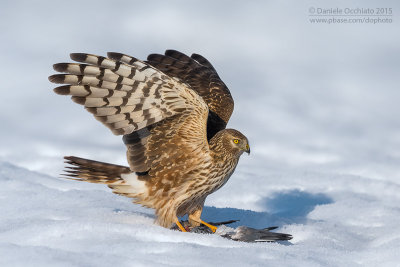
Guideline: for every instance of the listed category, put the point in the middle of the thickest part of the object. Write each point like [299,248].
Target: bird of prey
[172,111]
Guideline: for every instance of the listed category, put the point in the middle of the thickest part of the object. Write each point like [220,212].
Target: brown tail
[93,171]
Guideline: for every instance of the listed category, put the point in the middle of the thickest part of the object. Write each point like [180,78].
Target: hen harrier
[172,111]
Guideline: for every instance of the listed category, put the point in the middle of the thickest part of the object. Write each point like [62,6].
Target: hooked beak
[247,149]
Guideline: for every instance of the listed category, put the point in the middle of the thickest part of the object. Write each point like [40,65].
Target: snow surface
[319,104]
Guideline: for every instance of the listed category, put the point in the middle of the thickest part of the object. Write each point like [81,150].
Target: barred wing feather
[153,111]
[125,96]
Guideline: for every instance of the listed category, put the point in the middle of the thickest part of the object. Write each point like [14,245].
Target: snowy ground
[319,104]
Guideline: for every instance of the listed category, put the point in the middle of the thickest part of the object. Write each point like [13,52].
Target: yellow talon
[212,227]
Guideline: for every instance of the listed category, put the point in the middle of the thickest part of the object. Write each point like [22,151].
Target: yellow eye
[236,141]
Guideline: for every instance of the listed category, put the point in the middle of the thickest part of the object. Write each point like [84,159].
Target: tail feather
[120,179]
[94,171]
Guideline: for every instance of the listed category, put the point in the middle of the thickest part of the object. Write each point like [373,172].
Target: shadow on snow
[286,207]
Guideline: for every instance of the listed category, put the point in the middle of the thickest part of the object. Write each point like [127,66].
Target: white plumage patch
[137,187]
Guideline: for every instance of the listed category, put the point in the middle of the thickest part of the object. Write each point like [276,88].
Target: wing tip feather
[56,78]
[79,57]
[115,55]
[61,67]
[79,100]
[120,57]
[62,90]
[92,110]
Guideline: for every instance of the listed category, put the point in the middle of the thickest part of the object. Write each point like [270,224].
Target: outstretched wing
[198,72]
[153,111]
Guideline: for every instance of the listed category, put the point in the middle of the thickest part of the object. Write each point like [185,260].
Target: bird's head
[238,142]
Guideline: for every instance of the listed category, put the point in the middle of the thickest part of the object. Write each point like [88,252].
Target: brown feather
[93,171]
[162,108]
[202,77]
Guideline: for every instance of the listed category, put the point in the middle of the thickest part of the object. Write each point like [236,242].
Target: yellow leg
[212,227]
[180,226]
[195,220]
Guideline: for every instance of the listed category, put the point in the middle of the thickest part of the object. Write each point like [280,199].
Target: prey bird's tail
[94,171]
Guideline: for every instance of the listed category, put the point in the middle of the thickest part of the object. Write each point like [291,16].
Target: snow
[319,104]
[49,221]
